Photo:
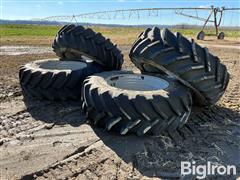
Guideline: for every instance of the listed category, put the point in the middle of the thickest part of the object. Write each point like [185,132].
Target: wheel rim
[134,82]
[86,58]
[62,65]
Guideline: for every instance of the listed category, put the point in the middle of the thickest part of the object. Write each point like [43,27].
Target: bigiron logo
[202,171]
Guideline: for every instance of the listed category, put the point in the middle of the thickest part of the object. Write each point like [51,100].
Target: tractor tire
[201,35]
[55,80]
[221,35]
[134,103]
[160,51]
[76,42]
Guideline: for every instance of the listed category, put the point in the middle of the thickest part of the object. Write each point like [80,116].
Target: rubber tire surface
[71,42]
[53,84]
[161,51]
[139,112]
[201,35]
[221,35]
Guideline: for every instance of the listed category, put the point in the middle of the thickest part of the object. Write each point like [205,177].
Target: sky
[30,9]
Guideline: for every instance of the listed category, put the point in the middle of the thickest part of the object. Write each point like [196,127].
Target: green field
[46,30]
[27,30]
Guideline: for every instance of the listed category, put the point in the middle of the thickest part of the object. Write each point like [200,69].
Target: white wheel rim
[136,82]
[87,58]
[62,65]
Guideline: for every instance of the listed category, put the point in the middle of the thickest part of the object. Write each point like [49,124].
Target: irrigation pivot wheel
[221,35]
[201,35]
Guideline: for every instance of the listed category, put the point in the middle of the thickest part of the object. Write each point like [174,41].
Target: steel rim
[135,82]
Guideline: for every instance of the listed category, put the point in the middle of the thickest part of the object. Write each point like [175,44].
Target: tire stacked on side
[162,52]
[55,80]
[111,103]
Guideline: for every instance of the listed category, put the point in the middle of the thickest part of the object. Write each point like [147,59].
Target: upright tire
[160,51]
[76,42]
[133,103]
[55,80]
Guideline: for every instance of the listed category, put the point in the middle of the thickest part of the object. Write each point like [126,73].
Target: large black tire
[135,107]
[55,80]
[76,42]
[160,51]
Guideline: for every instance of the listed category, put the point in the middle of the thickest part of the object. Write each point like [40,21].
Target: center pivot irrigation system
[214,16]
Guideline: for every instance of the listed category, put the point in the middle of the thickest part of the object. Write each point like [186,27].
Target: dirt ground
[46,140]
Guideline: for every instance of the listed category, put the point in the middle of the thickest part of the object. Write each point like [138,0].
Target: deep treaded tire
[76,42]
[160,51]
[55,80]
[123,102]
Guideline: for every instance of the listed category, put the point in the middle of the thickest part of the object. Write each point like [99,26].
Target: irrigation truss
[212,16]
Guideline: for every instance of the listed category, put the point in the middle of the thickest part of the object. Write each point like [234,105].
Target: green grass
[193,32]
[46,30]
[27,30]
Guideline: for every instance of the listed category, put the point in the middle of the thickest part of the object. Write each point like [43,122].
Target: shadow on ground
[60,113]
[212,135]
